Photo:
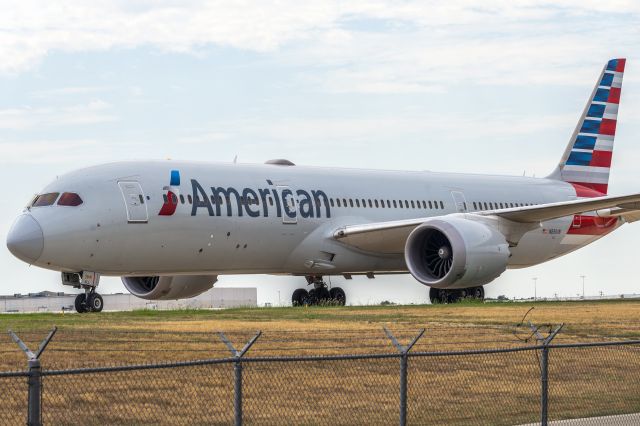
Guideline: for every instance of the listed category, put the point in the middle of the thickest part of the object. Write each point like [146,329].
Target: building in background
[48,301]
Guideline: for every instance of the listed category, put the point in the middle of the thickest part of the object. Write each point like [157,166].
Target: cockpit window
[70,199]
[45,199]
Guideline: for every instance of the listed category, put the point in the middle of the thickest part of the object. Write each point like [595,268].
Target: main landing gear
[441,295]
[320,294]
[90,300]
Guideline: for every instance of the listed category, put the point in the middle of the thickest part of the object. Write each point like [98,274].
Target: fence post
[237,369]
[34,379]
[404,370]
[34,415]
[544,370]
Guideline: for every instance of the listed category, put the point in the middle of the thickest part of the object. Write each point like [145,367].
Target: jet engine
[455,252]
[169,287]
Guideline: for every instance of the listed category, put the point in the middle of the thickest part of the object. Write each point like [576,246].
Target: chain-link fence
[527,383]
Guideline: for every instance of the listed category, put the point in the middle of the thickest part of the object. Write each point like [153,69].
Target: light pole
[279,303]
[583,277]
[535,288]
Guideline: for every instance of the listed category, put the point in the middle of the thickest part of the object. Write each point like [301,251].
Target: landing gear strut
[440,295]
[90,300]
[320,294]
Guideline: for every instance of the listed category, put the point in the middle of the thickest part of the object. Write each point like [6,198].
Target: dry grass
[470,389]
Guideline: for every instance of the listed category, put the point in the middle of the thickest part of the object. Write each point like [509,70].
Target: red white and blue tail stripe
[587,160]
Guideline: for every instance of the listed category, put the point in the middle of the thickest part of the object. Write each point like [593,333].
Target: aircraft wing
[389,237]
[542,212]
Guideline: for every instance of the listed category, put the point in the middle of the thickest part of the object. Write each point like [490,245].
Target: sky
[459,86]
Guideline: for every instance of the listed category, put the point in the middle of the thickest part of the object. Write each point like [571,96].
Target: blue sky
[444,86]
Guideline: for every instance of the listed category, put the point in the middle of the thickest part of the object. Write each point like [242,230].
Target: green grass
[501,389]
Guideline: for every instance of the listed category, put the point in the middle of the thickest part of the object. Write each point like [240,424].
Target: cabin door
[134,202]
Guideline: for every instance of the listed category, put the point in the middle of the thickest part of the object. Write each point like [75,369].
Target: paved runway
[620,420]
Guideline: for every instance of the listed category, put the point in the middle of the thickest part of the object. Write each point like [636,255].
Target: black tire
[433,296]
[300,297]
[338,296]
[95,303]
[312,299]
[323,294]
[454,296]
[478,293]
[80,303]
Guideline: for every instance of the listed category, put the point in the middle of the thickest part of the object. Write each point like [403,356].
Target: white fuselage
[286,227]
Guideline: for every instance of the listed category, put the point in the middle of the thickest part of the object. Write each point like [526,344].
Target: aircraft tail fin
[587,160]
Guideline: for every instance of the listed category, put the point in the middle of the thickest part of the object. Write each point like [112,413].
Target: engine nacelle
[169,287]
[455,252]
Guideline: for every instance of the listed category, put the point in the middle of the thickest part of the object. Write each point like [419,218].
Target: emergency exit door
[459,200]
[134,202]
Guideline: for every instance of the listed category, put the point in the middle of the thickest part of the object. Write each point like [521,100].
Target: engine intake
[169,287]
[455,252]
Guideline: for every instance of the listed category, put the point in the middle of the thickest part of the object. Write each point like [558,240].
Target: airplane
[170,228]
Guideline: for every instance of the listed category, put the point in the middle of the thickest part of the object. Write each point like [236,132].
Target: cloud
[92,112]
[69,91]
[368,46]
[45,151]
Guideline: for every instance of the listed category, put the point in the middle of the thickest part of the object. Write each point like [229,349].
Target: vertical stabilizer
[587,160]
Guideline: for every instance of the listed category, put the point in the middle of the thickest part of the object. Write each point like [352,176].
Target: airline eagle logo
[171,196]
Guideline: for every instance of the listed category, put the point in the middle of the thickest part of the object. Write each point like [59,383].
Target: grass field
[492,389]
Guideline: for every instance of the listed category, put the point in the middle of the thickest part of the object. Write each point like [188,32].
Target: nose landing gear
[90,300]
[320,294]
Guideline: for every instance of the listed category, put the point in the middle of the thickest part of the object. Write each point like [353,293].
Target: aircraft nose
[25,239]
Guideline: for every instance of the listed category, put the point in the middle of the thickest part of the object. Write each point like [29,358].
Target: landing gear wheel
[478,293]
[338,296]
[300,297]
[81,303]
[440,295]
[433,296]
[322,295]
[95,302]
[454,296]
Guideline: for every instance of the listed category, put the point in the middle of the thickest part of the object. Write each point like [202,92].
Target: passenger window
[435,205]
[413,206]
[406,204]
[338,201]
[430,205]
[182,198]
[474,206]
[45,199]
[351,202]
[441,205]
[164,197]
[140,197]
[72,199]
[174,199]
[370,203]
[357,202]
[189,199]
